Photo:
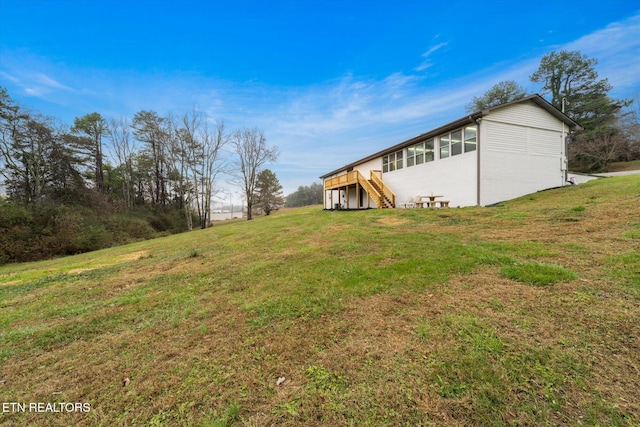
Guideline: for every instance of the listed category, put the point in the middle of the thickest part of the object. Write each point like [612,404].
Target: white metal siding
[504,138]
[526,114]
[521,153]
[454,178]
[365,168]
[544,142]
[509,138]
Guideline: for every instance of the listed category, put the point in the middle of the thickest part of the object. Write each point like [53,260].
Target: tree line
[611,127]
[102,182]
[306,195]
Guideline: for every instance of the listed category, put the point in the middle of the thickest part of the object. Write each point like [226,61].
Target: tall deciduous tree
[196,156]
[632,129]
[252,152]
[210,163]
[124,150]
[268,191]
[94,127]
[184,149]
[500,93]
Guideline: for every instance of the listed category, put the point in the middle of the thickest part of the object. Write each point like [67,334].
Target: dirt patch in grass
[82,270]
[391,221]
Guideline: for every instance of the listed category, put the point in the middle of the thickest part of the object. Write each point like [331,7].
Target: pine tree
[268,192]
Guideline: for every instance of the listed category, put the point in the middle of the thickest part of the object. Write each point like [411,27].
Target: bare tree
[597,152]
[631,128]
[196,161]
[210,165]
[123,149]
[184,157]
[251,147]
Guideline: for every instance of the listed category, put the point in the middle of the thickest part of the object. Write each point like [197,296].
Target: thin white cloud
[427,63]
[19,70]
[617,48]
[9,77]
[43,80]
[433,49]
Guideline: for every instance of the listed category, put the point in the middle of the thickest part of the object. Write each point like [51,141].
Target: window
[470,138]
[411,156]
[419,154]
[444,146]
[452,143]
[428,151]
[392,162]
[416,154]
[399,160]
[456,142]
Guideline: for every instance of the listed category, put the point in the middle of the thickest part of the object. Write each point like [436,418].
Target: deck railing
[341,180]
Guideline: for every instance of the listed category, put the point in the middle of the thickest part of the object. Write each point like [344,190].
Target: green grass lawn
[527,313]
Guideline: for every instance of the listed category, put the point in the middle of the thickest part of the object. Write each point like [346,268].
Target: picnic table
[431,202]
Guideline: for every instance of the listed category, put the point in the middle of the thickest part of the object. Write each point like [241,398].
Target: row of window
[449,144]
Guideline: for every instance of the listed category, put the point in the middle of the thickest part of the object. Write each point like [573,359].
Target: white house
[487,157]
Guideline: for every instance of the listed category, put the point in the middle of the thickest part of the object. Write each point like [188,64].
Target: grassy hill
[522,314]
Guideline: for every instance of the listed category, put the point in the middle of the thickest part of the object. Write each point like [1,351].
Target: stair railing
[376,176]
[370,189]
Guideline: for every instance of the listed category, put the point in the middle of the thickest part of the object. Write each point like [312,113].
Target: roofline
[470,119]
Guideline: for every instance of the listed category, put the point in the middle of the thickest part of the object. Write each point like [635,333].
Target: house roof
[470,119]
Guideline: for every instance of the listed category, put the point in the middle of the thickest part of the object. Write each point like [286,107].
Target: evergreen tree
[150,129]
[93,127]
[572,82]
[268,192]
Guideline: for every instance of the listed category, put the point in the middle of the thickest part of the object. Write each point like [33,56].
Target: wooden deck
[375,187]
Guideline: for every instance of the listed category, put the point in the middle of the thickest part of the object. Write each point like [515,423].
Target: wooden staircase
[386,202]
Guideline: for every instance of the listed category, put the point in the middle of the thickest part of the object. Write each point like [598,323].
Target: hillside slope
[526,313]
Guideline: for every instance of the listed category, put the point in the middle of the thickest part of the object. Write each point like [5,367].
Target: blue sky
[328,81]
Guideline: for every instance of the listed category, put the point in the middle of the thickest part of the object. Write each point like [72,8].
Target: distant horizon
[328,82]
